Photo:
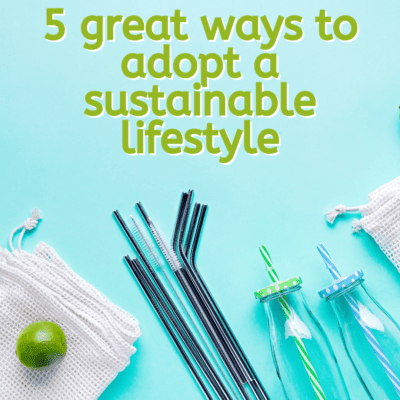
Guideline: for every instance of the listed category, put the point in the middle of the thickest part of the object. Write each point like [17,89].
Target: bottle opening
[282,293]
[346,290]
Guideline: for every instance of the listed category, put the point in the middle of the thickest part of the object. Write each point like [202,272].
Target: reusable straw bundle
[42,287]
[181,259]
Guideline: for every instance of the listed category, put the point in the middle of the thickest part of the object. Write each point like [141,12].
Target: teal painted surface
[73,168]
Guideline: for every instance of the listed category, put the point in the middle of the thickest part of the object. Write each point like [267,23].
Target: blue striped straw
[367,331]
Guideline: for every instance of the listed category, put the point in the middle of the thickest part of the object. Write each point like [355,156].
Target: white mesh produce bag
[380,218]
[41,287]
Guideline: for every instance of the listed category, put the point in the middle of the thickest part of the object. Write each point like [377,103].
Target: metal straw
[192,225]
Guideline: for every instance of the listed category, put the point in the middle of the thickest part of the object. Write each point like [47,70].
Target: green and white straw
[299,342]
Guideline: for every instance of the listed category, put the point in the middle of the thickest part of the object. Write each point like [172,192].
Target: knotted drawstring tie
[29,224]
[342,209]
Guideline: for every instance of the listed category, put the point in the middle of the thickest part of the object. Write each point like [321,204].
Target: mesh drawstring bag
[100,335]
[380,218]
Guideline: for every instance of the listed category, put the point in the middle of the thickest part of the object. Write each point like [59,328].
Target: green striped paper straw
[299,342]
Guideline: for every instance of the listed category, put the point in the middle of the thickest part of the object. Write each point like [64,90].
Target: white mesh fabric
[40,286]
[381,219]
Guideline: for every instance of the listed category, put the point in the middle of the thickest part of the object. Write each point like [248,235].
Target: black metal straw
[192,261]
[201,295]
[199,302]
[196,239]
[192,225]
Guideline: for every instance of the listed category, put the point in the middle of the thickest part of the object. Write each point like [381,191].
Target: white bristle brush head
[166,249]
[146,245]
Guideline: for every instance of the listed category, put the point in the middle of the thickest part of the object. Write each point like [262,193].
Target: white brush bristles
[166,249]
[146,245]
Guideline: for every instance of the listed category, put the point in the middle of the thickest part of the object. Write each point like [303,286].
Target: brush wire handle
[305,358]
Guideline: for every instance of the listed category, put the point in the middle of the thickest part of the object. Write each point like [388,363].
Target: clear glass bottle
[360,345]
[289,365]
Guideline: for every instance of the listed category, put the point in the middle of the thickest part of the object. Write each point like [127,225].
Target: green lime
[41,344]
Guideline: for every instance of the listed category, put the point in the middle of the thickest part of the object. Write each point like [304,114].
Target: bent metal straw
[199,303]
[229,353]
[299,342]
[192,248]
[356,311]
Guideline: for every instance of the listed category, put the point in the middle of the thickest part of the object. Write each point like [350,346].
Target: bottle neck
[348,289]
[282,293]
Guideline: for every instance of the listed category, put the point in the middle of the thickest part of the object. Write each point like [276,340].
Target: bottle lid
[277,287]
[341,283]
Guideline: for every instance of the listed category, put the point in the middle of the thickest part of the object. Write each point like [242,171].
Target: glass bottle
[371,338]
[283,333]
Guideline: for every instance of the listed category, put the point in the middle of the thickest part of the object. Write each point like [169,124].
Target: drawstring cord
[342,209]
[29,224]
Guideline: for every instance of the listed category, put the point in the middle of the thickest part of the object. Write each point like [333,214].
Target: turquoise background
[73,168]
